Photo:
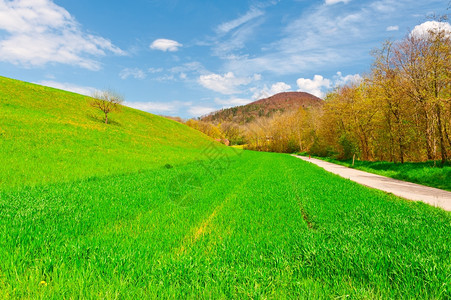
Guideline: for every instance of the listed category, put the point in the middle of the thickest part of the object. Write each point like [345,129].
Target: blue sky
[188,58]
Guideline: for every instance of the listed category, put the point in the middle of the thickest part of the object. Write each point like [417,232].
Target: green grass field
[426,173]
[266,225]
[49,135]
[172,214]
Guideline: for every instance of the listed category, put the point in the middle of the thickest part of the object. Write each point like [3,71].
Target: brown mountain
[263,108]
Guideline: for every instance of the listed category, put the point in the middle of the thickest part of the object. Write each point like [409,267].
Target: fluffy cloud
[331,2]
[339,79]
[83,90]
[319,85]
[41,32]
[165,45]
[425,28]
[315,87]
[226,84]
[276,88]
[135,73]
[392,28]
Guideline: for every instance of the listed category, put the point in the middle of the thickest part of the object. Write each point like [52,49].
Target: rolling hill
[49,135]
[147,208]
[263,108]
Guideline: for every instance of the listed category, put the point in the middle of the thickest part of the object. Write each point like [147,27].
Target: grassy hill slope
[106,220]
[49,135]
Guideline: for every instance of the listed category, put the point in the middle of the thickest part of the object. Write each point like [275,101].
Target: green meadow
[49,135]
[146,207]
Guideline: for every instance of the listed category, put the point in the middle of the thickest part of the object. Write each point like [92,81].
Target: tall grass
[266,226]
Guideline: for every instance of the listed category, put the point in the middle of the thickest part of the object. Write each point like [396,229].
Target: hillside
[93,211]
[263,108]
[49,135]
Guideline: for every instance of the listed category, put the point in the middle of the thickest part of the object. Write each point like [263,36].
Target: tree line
[400,111]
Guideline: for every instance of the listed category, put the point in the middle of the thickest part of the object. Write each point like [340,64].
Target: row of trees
[400,111]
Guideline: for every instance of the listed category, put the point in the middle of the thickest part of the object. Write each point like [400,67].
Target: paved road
[407,190]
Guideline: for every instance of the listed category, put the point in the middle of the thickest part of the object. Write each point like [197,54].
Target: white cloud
[384,6]
[226,103]
[154,107]
[339,79]
[189,71]
[155,70]
[83,90]
[331,2]
[328,36]
[226,84]
[197,111]
[278,87]
[319,85]
[250,15]
[393,28]
[41,32]
[315,87]
[170,107]
[165,45]
[135,73]
[425,28]
[319,37]
[165,77]
[235,34]
[236,40]
[194,66]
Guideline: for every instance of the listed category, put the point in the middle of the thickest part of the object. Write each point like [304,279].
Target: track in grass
[267,225]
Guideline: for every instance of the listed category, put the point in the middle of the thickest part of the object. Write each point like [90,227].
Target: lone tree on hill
[106,101]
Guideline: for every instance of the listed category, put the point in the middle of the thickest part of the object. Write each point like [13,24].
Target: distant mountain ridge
[263,108]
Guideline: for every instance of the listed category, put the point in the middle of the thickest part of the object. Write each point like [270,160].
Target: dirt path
[407,190]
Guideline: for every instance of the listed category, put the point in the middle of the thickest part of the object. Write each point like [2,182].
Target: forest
[399,111]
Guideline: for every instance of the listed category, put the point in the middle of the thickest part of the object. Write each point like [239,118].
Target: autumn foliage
[400,111]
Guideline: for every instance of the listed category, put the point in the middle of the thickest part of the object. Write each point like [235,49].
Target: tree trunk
[392,140]
[428,136]
[447,135]
[401,150]
[440,132]
[106,118]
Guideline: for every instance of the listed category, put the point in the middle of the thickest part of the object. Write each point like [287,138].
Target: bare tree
[106,101]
